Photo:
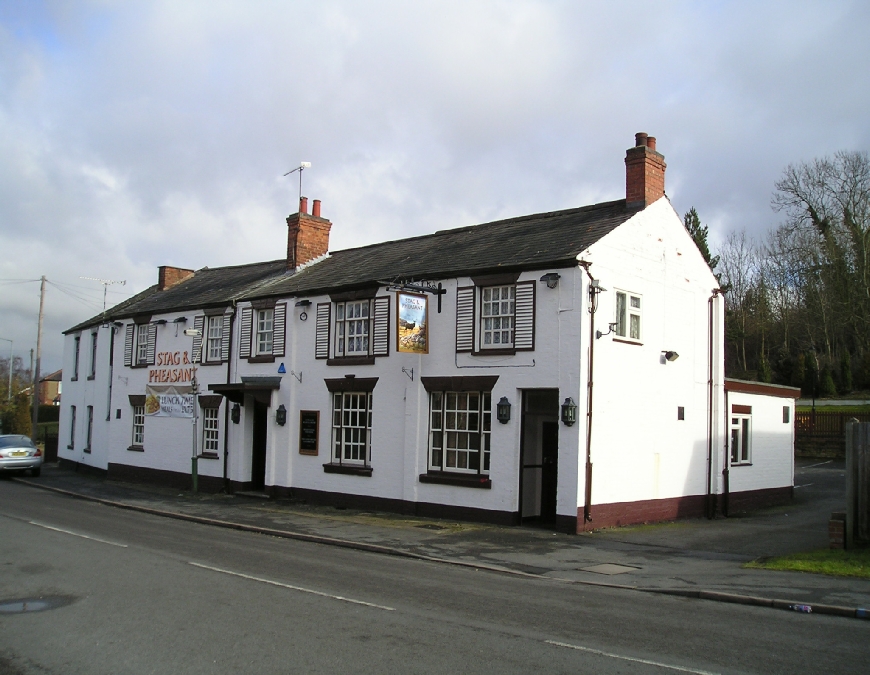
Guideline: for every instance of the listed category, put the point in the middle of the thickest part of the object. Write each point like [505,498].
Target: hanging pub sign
[412,326]
[169,401]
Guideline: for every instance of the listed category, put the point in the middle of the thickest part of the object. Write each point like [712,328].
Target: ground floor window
[459,431]
[72,428]
[210,430]
[90,427]
[351,427]
[741,434]
[139,425]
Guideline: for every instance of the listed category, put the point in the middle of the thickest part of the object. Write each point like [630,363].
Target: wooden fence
[821,423]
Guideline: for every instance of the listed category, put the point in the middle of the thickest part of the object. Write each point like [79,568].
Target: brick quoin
[644,172]
[307,235]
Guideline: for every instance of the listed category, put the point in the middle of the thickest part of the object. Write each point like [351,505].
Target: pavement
[697,558]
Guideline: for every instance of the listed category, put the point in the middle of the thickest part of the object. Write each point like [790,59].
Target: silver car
[18,453]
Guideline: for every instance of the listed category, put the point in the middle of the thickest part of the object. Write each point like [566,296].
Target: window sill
[217,363]
[136,448]
[208,455]
[628,341]
[351,361]
[457,479]
[495,351]
[739,464]
[74,379]
[261,359]
[348,469]
[70,447]
[87,450]
[92,377]
[139,365]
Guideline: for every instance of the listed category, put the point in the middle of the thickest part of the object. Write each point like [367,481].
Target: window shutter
[198,324]
[464,319]
[128,345]
[381,326]
[152,344]
[279,321]
[225,339]
[524,316]
[321,340]
[245,333]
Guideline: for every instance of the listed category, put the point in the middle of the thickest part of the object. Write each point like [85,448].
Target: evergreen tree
[827,386]
[699,233]
[846,373]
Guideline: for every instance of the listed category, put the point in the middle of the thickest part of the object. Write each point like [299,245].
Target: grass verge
[837,563]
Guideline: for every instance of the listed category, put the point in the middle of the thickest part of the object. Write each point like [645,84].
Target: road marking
[811,466]
[293,588]
[629,658]
[806,485]
[76,534]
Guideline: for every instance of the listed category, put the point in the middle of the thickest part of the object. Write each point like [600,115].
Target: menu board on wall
[309,423]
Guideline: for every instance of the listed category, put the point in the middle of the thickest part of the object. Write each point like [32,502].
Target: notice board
[309,427]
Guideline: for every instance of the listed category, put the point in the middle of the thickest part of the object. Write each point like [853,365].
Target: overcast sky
[139,134]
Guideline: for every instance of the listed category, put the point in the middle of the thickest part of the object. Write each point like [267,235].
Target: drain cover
[609,568]
[33,604]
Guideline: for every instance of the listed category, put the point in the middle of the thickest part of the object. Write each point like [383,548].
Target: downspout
[593,306]
[726,462]
[227,402]
[710,501]
[111,372]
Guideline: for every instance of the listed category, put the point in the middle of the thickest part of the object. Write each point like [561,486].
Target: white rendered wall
[771,445]
[640,450]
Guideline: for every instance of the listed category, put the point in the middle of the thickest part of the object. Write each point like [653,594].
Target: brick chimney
[168,276]
[307,235]
[644,172]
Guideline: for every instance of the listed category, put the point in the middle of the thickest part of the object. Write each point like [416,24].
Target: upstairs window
[77,349]
[353,330]
[495,317]
[93,372]
[262,331]
[214,337]
[212,345]
[628,316]
[140,344]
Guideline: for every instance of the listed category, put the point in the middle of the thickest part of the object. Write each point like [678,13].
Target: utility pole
[38,357]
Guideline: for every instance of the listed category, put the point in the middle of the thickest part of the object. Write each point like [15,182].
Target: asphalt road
[143,594]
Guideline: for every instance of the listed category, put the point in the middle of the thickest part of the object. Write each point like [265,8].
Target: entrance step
[255,494]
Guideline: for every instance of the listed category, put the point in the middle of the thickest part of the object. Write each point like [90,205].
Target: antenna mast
[106,283]
[302,166]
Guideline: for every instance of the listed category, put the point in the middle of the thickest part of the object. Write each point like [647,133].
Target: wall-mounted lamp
[610,328]
[192,332]
[159,322]
[569,412]
[281,415]
[236,413]
[503,410]
[304,304]
[180,319]
[671,356]
[118,324]
[551,279]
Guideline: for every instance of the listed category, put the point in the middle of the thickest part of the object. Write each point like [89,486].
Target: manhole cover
[33,604]
[609,568]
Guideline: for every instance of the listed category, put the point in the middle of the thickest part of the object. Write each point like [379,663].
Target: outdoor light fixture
[235,413]
[118,324]
[159,322]
[304,304]
[180,319]
[503,410]
[551,279]
[671,356]
[569,412]
[281,415]
[610,328]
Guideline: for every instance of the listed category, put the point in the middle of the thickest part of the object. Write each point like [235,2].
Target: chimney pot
[315,208]
[303,205]
[640,139]
[651,142]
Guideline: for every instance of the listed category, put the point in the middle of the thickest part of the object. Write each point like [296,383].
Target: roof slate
[543,240]
[529,242]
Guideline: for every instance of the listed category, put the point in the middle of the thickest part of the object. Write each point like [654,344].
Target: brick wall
[169,276]
[307,238]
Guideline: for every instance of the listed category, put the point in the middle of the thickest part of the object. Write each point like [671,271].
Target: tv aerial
[106,283]
[302,166]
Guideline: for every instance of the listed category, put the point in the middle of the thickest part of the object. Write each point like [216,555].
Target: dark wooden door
[258,459]
[549,470]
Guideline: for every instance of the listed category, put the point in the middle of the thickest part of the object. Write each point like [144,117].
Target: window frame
[138,425]
[93,373]
[214,344]
[211,428]
[78,344]
[72,428]
[341,325]
[90,437]
[740,453]
[140,348]
[472,313]
[340,444]
[482,432]
[622,316]
[485,316]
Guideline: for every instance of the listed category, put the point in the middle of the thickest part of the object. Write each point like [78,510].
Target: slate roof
[543,240]
[208,287]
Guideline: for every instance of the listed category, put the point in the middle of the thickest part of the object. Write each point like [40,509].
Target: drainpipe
[726,474]
[111,371]
[593,307]
[710,502]
[227,489]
